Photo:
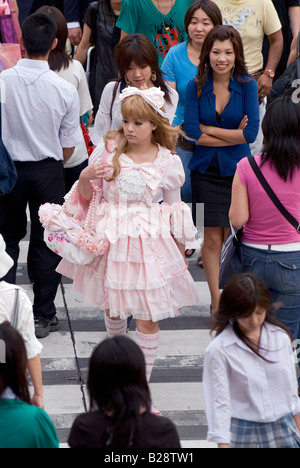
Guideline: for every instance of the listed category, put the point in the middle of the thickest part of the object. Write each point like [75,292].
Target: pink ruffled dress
[143,273]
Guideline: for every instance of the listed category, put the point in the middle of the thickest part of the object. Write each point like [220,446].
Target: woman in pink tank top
[271,246]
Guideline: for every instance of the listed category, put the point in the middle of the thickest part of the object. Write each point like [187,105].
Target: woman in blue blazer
[222,116]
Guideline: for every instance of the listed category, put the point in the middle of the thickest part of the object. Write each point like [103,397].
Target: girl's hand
[96,171]
[243,123]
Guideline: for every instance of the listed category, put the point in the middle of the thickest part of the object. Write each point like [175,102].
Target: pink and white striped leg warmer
[115,327]
[149,346]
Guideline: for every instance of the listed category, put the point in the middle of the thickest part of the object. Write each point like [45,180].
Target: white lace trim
[131,186]
[146,316]
[127,286]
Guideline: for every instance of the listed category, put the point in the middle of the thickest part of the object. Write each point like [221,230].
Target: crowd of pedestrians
[178,90]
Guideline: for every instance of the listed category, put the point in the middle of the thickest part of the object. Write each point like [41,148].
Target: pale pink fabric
[149,346]
[143,273]
[115,327]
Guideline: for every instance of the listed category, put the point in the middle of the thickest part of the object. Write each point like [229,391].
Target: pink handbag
[70,230]
[67,234]
[10,54]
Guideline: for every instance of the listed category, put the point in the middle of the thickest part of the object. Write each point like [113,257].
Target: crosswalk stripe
[176,383]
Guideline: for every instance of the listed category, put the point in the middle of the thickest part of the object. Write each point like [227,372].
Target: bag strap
[15,314]
[91,214]
[272,195]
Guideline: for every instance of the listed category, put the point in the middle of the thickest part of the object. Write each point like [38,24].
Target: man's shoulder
[6,73]
[60,84]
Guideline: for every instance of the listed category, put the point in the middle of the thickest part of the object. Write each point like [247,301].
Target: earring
[153,76]
[127,80]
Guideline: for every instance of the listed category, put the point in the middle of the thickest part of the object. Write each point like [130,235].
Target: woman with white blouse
[25,323]
[137,63]
[250,383]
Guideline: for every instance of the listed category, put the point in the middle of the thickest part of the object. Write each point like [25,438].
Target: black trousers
[38,183]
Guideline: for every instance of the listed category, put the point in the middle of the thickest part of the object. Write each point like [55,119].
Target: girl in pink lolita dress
[143,274]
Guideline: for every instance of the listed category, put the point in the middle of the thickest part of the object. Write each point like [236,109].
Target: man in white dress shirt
[40,128]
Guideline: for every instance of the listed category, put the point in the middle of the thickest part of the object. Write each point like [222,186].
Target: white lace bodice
[131,186]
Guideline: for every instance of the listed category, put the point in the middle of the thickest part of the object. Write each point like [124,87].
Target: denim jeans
[280,271]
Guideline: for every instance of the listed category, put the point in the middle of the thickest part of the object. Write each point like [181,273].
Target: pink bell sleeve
[182,226]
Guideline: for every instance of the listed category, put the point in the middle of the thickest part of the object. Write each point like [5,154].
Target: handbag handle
[91,214]
[272,195]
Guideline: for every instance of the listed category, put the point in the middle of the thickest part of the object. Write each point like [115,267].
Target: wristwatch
[270,73]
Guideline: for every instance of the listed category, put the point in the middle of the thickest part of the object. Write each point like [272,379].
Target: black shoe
[43,326]
[54,324]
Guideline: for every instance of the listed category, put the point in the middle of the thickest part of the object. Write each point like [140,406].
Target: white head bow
[155,97]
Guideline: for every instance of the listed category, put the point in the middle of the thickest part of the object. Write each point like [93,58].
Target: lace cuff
[182,226]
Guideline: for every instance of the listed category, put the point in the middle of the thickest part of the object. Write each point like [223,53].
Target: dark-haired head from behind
[58,58]
[281,129]
[39,35]
[13,372]
[118,386]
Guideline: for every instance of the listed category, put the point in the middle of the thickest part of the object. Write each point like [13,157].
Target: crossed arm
[217,136]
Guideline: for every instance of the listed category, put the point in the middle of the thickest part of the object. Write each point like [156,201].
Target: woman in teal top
[21,424]
[162,21]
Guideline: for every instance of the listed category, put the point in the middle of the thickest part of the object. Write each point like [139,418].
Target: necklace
[166,28]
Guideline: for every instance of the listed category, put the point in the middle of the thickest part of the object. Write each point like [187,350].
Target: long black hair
[221,33]
[239,299]
[118,386]
[13,371]
[281,129]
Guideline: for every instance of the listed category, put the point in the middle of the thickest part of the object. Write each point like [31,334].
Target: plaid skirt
[280,434]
